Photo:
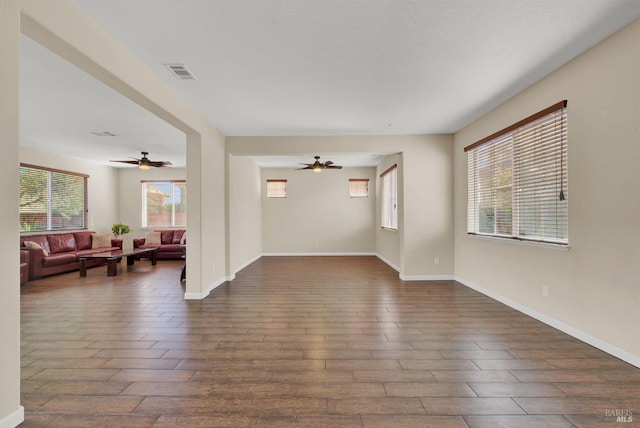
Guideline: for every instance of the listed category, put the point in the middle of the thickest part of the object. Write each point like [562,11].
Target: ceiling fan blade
[159,164]
[327,163]
[333,167]
[132,162]
[306,167]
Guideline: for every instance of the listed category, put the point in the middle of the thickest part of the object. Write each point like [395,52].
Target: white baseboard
[426,277]
[387,261]
[13,419]
[195,296]
[202,295]
[337,253]
[570,330]
[217,284]
[414,277]
[244,265]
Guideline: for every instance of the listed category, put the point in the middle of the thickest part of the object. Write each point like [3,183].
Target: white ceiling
[308,67]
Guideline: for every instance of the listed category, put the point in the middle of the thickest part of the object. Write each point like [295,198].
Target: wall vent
[102,133]
[180,71]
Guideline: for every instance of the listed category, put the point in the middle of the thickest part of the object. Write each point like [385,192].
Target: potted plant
[120,229]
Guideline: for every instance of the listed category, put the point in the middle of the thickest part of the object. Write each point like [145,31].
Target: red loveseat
[170,246]
[63,251]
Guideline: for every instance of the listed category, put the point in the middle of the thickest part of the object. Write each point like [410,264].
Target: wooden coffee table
[112,258]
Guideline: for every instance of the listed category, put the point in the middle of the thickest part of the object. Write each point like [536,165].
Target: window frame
[50,200]
[355,189]
[533,153]
[144,205]
[276,193]
[389,198]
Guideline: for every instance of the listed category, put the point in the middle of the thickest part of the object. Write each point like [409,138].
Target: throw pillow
[31,244]
[101,240]
[152,238]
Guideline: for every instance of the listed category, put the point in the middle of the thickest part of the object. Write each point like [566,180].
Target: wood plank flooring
[304,342]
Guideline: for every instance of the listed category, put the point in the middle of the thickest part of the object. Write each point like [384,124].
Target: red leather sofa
[24,267]
[170,246]
[63,252]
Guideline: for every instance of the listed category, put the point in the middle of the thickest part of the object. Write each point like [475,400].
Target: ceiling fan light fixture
[144,162]
[318,166]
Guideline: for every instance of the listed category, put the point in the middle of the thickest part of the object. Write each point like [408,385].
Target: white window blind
[517,180]
[389,197]
[276,188]
[358,187]
[52,199]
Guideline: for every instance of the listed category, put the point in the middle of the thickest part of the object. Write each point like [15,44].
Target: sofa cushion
[177,236]
[166,236]
[41,240]
[35,245]
[83,240]
[62,243]
[59,259]
[100,240]
[152,238]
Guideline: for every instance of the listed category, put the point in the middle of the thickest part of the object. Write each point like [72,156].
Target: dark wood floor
[305,342]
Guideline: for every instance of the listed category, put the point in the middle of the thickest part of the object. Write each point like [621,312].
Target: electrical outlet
[436,261]
[545,291]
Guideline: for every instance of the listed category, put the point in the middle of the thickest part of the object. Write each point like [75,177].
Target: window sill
[558,247]
[388,229]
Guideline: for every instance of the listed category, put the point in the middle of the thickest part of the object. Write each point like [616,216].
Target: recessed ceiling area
[307,67]
[297,161]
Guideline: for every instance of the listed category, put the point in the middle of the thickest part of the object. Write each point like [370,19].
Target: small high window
[358,187]
[276,188]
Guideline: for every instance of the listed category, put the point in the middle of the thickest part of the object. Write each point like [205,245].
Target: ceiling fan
[318,166]
[144,162]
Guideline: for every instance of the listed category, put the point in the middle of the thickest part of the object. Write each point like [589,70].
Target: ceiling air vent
[102,133]
[180,71]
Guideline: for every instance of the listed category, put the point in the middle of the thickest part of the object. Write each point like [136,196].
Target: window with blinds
[276,188]
[358,187]
[164,203]
[517,180]
[51,199]
[389,198]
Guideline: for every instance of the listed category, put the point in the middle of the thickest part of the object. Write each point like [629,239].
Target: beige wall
[11,413]
[130,196]
[102,185]
[594,290]
[245,213]
[318,216]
